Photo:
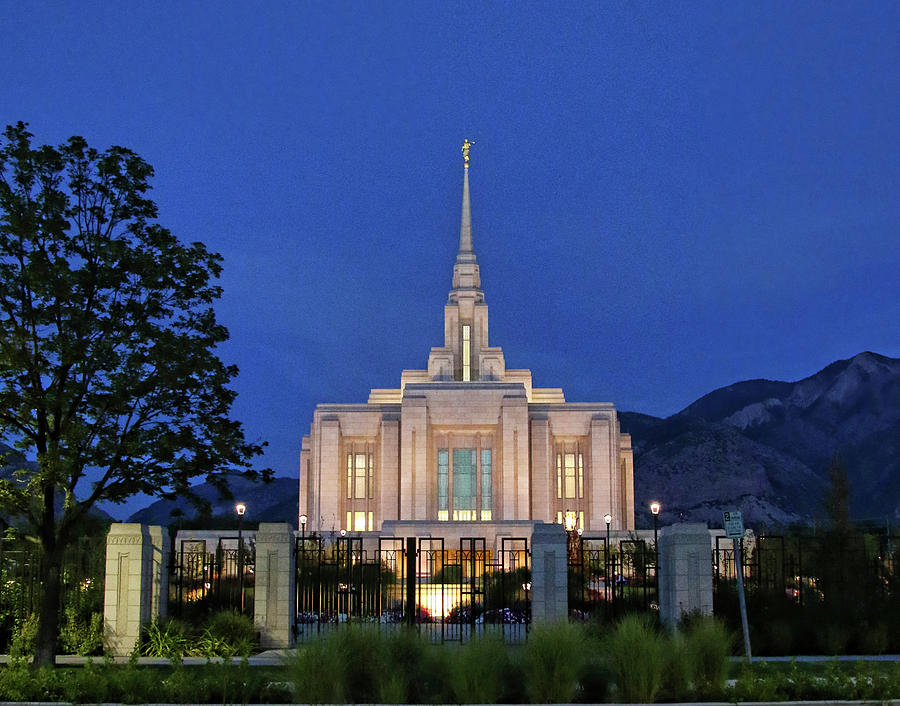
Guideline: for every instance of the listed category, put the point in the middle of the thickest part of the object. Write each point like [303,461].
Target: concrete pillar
[549,574]
[274,602]
[137,582]
[685,572]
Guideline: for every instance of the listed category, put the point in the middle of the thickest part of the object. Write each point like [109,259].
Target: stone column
[685,572]
[137,582]
[549,574]
[274,602]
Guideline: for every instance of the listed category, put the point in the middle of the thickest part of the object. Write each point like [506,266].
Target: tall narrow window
[570,475]
[371,483]
[466,352]
[580,475]
[360,476]
[486,484]
[443,484]
[463,484]
[559,475]
[349,476]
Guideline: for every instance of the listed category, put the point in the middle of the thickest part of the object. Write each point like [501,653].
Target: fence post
[410,581]
[137,582]
[685,572]
[549,575]
[274,596]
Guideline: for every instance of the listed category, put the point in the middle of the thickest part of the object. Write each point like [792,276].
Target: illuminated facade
[465,441]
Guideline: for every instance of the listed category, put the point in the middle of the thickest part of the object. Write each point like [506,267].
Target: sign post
[734,530]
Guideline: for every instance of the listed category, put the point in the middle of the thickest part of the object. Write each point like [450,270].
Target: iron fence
[81,580]
[203,581]
[447,593]
[607,581]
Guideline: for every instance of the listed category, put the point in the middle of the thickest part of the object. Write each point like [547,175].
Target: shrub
[678,673]
[342,668]
[637,654]
[165,638]
[25,639]
[708,646]
[475,670]
[553,661]
[81,637]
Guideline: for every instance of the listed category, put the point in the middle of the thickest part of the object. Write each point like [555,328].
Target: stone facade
[467,440]
[685,572]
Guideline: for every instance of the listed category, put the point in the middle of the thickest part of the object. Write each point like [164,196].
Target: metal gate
[447,593]
[202,581]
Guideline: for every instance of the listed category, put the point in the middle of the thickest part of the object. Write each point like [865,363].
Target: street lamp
[655,507]
[240,509]
[303,519]
[607,518]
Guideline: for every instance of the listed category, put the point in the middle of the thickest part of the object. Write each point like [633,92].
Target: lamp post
[607,518]
[240,509]
[303,519]
[655,507]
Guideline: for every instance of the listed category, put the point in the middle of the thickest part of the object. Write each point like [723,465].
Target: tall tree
[108,370]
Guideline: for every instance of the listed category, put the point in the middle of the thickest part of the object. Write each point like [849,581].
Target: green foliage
[637,654]
[225,634]
[165,638]
[79,637]
[553,660]
[476,669]
[25,639]
[109,339]
[708,645]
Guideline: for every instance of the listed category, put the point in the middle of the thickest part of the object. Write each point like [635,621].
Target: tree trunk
[48,618]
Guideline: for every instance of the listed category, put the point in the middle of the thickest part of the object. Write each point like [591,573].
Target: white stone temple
[466,447]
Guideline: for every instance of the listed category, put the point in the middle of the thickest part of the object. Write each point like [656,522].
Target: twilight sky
[666,197]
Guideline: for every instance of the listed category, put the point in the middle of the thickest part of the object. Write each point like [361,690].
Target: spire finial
[465,150]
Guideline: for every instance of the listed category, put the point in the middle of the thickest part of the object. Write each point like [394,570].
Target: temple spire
[466,278]
[466,254]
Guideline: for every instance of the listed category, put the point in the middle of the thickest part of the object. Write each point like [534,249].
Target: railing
[448,594]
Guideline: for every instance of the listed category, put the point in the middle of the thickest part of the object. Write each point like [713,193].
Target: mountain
[764,446]
[275,501]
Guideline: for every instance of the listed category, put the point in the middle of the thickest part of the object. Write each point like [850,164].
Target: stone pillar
[685,572]
[137,582]
[549,574]
[274,601]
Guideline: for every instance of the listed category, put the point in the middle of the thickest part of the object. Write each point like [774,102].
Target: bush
[475,671]
[79,637]
[637,655]
[553,660]
[25,639]
[165,638]
[228,633]
[708,646]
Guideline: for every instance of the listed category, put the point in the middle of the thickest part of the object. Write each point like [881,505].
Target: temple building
[465,442]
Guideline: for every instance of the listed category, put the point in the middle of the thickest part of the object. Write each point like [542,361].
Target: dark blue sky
[666,197]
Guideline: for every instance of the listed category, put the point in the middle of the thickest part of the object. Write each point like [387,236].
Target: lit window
[371,521]
[485,483]
[581,519]
[559,475]
[559,518]
[349,525]
[360,476]
[443,484]
[349,475]
[466,352]
[580,475]
[570,475]
[486,515]
[359,521]
[371,484]
[570,518]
